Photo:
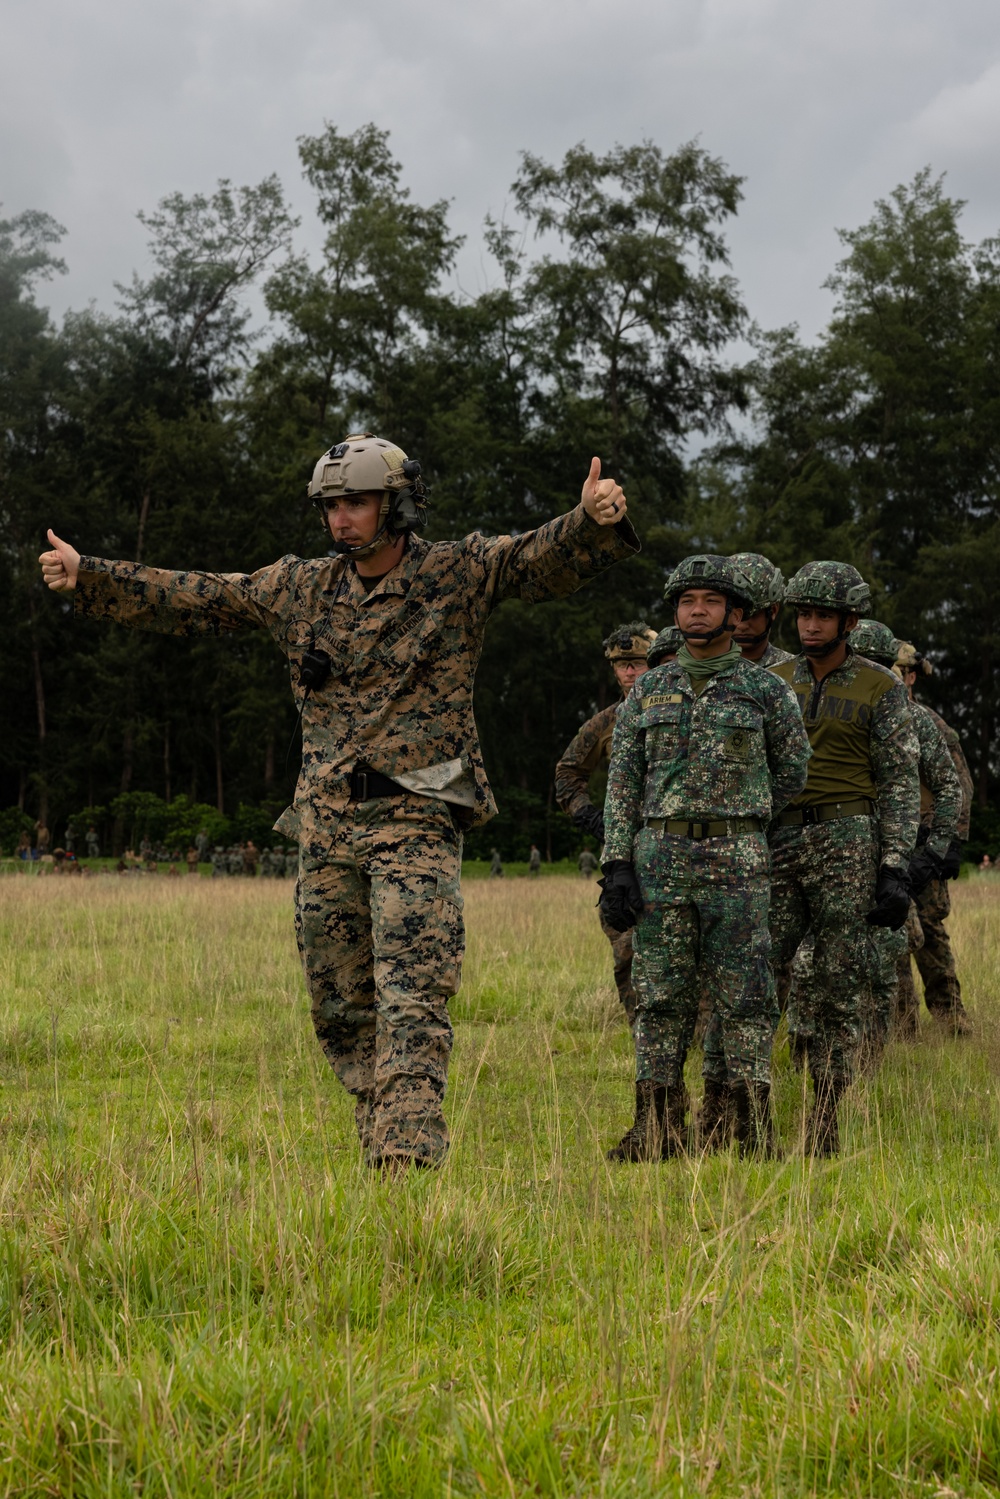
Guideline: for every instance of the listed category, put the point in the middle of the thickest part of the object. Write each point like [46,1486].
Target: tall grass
[202,1292]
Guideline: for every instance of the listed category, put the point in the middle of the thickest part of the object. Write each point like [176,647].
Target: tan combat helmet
[629,642]
[908,658]
[366,464]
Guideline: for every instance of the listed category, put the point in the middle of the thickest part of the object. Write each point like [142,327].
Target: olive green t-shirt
[841,711]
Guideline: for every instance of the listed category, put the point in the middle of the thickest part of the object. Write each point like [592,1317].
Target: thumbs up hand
[61,565]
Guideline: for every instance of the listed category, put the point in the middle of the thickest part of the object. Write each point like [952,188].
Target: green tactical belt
[729,827]
[804,817]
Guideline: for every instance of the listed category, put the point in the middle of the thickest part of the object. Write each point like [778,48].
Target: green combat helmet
[769,593]
[666,645]
[722,575]
[363,464]
[876,641]
[629,642]
[765,579]
[829,585]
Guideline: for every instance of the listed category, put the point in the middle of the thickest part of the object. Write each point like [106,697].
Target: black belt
[722,827]
[366,784]
[804,817]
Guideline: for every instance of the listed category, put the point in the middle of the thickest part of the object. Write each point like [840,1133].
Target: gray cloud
[822,107]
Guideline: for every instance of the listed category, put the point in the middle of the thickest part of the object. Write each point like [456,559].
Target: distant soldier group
[244,859]
[778,833]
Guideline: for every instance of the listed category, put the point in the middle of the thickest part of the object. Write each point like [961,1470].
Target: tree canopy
[173,430]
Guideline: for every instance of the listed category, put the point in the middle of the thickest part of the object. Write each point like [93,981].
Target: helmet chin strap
[705,637]
[383,537]
[754,639]
[818,652]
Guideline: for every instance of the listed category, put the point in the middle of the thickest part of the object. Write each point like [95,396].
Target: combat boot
[658,1129]
[955,1021]
[715,1119]
[754,1128]
[822,1128]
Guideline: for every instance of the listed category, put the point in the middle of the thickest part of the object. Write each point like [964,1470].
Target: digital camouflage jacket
[585,753]
[773,656]
[737,750]
[399,696]
[941,798]
[859,725]
[962,768]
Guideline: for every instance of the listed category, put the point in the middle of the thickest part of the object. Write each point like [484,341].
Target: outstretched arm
[554,560]
[172,603]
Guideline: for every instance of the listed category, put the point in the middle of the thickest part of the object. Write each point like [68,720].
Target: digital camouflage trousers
[704,929]
[380,934]
[823,881]
[935,959]
[621,955]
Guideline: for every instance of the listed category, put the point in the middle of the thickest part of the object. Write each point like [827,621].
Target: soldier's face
[820,626]
[702,609]
[353,518]
[749,629]
[627,672]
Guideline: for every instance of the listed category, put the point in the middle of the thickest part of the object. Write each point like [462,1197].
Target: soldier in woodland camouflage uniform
[934,957]
[383,639]
[840,853]
[753,635]
[626,648]
[705,751]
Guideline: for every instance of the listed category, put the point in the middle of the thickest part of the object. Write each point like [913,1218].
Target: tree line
[175,431]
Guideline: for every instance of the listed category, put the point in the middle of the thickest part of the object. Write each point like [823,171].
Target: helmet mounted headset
[366,464]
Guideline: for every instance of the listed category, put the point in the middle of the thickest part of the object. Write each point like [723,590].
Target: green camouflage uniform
[773,656]
[934,957]
[587,752]
[379,917]
[824,872]
[735,750]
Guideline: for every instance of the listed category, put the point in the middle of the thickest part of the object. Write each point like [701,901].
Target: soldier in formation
[940,813]
[840,853]
[753,634]
[626,648]
[706,750]
[932,951]
[383,637]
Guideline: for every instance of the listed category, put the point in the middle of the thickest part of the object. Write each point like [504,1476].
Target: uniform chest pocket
[405,636]
[740,737]
[664,726]
[666,716]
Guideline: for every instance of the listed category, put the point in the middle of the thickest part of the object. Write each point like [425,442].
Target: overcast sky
[822,105]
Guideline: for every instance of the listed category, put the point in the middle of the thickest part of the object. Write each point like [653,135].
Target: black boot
[754,1120]
[658,1129]
[822,1128]
[716,1118]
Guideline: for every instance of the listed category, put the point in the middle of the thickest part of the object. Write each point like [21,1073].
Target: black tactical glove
[590,820]
[621,900]
[892,899]
[951,864]
[923,867]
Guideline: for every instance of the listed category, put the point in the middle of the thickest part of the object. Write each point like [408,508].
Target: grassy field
[203,1293]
